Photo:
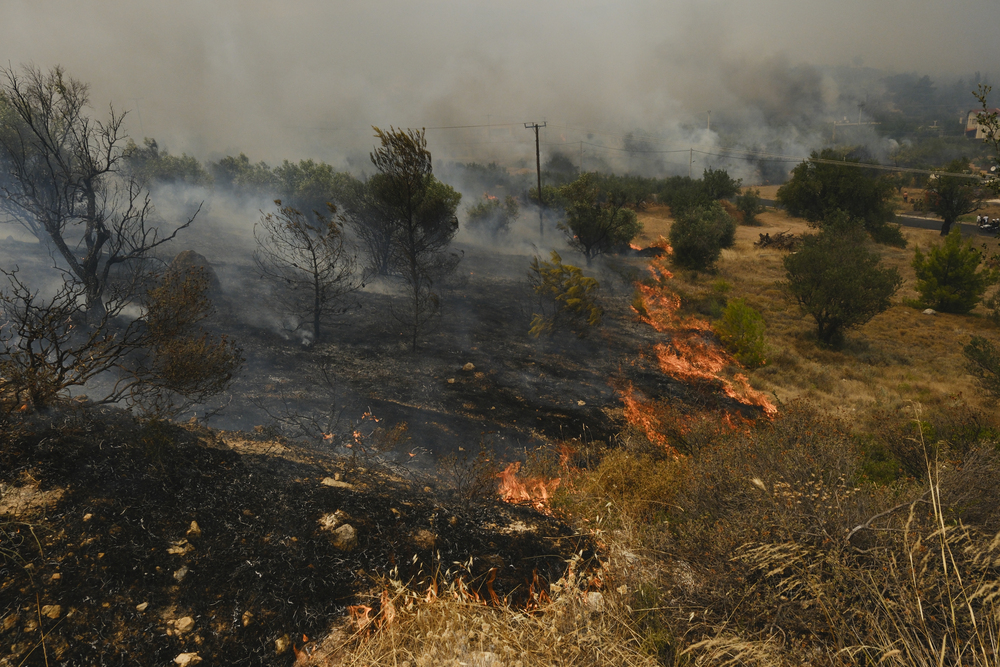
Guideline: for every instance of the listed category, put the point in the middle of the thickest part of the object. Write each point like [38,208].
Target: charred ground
[105,525]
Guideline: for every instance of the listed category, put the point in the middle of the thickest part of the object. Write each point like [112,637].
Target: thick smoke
[308,79]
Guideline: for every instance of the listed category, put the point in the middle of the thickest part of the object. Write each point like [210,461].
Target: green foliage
[949,278]
[151,165]
[492,216]
[698,236]
[598,219]
[982,361]
[407,219]
[566,298]
[741,331]
[817,189]
[990,121]
[242,177]
[717,184]
[310,186]
[748,204]
[838,279]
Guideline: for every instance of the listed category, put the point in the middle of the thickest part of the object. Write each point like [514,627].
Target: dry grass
[583,621]
[830,536]
[902,355]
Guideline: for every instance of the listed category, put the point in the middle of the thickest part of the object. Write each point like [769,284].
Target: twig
[868,523]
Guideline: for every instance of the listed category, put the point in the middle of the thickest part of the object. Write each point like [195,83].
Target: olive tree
[953,196]
[598,219]
[833,181]
[837,278]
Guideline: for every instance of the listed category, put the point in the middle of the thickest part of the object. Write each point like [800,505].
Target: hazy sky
[307,78]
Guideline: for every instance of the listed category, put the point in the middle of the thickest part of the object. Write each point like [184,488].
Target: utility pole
[538,168]
[690,162]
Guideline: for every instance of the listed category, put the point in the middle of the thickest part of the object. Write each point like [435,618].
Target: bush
[698,236]
[741,330]
[748,204]
[491,216]
[599,216]
[565,298]
[948,277]
[838,279]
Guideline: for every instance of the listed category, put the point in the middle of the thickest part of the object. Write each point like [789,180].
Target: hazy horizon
[308,80]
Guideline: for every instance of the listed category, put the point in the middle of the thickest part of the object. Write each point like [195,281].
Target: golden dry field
[902,355]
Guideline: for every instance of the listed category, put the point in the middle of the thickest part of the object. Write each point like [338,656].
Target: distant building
[974,130]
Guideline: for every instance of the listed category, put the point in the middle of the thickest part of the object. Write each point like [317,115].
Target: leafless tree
[311,262]
[161,363]
[63,179]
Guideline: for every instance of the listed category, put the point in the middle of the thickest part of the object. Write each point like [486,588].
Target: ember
[534,491]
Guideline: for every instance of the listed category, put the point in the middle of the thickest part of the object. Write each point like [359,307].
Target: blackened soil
[261,567]
[520,393]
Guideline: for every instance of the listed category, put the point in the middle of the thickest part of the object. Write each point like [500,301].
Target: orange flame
[692,355]
[533,491]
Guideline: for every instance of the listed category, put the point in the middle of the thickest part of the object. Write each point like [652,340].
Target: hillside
[386,541]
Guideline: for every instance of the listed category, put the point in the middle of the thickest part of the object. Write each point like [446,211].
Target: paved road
[920,222]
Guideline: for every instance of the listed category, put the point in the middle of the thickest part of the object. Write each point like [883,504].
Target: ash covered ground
[130,543]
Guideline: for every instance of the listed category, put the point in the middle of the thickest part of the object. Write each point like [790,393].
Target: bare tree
[311,262]
[63,179]
[161,363]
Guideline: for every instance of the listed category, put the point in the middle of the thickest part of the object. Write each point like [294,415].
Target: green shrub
[699,234]
[492,216]
[838,279]
[748,204]
[566,298]
[948,277]
[741,330]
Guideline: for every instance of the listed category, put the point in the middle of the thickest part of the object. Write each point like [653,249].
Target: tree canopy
[598,219]
[951,196]
[817,189]
[837,278]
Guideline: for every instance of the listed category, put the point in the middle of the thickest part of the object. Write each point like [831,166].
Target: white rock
[180,548]
[345,538]
[181,573]
[142,606]
[194,530]
[336,483]
[180,626]
[186,659]
[930,311]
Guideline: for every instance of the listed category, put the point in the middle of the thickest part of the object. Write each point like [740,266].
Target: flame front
[691,355]
[535,491]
